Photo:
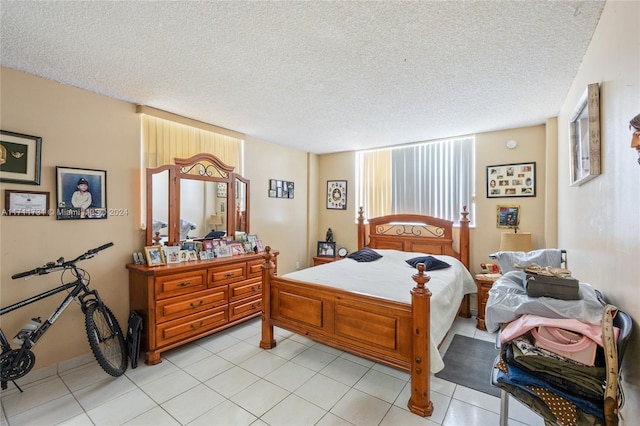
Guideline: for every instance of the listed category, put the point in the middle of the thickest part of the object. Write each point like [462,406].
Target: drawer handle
[253,288]
[195,327]
[229,275]
[184,284]
[193,305]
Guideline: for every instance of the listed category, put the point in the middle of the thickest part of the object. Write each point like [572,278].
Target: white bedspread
[390,278]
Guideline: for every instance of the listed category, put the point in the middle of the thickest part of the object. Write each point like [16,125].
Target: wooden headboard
[417,233]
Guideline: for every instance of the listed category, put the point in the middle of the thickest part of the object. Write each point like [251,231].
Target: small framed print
[154,255]
[26,203]
[20,158]
[81,193]
[508,216]
[337,194]
[223,251]
[511,180]
[222,190]
[326,249]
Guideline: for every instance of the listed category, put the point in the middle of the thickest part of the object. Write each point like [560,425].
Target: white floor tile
[322,391]
[380,385]
[314,359]
[192,404]
[122,409]
[34,395]
[154,417]
[259,397]
[344,371]
[290,376]
[397,416]
[232,381]
[169,386]
[262,363]
[288,349]
[225,414]
[360,408]
[208,367]
[51,412]
[463,414]
[293,411]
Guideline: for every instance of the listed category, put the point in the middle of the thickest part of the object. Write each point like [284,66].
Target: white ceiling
[317,76]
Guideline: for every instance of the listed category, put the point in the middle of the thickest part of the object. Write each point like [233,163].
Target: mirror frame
[204,167]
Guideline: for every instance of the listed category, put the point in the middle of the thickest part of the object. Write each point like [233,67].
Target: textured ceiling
[317,76]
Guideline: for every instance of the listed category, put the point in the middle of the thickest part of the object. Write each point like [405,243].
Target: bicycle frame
[79,286]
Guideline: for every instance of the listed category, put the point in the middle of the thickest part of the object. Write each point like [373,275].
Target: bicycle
[103,331]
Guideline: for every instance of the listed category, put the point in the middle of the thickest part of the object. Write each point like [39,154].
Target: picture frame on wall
[81,193]
[337,194]
[26,203]
[20,157]
[511,180]
[281,188]
[508,216]
[584,137]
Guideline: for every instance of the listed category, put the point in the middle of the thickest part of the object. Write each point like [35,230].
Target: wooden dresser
[183,302]
[484,282]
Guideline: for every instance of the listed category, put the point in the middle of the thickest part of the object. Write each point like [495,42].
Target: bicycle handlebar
[60,263]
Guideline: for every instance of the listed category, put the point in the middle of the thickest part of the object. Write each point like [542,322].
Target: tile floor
[226,379]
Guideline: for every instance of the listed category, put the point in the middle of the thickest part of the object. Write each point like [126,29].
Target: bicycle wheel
[106,339]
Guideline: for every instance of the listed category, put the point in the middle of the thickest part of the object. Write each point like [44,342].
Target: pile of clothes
[562,367]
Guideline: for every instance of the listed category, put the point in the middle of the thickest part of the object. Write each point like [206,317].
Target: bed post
[361,228]
[267,341]
[464,237]
[420,402]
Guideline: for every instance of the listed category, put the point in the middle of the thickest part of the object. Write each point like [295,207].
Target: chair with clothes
[552,402]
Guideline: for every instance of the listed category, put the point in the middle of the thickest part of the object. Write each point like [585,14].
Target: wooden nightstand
[320,260]
[484,282]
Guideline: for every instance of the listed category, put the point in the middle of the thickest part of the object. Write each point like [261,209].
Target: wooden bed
[391,333]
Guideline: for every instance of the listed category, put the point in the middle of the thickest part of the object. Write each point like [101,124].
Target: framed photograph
[508,216]
[173,254]
[207,245]
[154,255]
[223,251]
[584,137]
[189,245]
[26,203]
[81,193]
[511,180]
[259,246]
[326,249]
[337,194]
[20,158]
[222,190]
[192,255]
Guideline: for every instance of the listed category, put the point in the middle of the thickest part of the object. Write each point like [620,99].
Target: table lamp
[215,220]
[520,241]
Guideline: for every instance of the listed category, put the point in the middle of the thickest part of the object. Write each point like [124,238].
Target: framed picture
[223,251]
[259,246]
[222,190]
[326,249]
[584,137]
[26,203]
[207,245]
[337,194]
[173,254]
[511,180]
[154,255]
[508,216]
[20,158]
[281,188]
[81,193]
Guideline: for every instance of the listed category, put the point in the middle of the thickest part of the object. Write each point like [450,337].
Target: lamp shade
[516,242]
[215,219]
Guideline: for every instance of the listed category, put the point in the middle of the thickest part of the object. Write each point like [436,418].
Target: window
[430,178]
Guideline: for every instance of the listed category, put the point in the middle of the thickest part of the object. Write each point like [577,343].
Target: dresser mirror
[194,198]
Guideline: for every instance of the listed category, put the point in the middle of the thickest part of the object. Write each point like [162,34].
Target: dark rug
[468,362]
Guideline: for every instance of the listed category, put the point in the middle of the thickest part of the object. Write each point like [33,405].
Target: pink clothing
[525,323]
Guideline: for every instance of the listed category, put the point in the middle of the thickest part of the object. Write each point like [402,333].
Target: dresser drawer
[245,289]
[177,307]
[178,284]
[183,328]
[244,307]
[254,268]
[227,274]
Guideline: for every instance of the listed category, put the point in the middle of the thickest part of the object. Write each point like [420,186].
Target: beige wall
[78,129]
[598,221]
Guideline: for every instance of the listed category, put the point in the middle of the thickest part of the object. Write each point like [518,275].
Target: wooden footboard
[391,333]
